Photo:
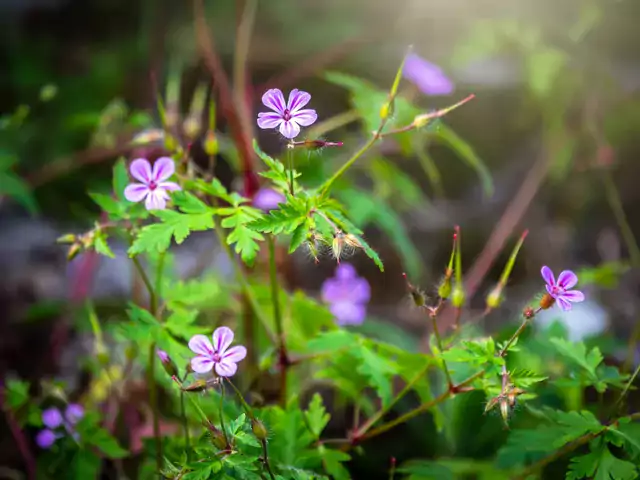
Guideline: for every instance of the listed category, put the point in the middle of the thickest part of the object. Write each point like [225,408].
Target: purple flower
[347,294]
[53,419]
[429,78]
[221,356]
[162,355]
[287,117]
[154,186]
[560,290]
[268,199]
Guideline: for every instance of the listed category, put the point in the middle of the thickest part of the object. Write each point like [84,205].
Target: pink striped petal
[136,192]
[235,354]
[169,186]
[163,168]
[269,120]
[289,129]
[563,304]
[547,274]
[226,369]
[274,100]
[201,345]
[305,117]
[567,279]
[222,338]
[574,296]
[201,364]
[156,200]
[297,100]
[141,170]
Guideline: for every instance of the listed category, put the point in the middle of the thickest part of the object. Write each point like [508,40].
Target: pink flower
[560,290]
[428,77]
[347,294]
[268,199]
[219,354]
[286,117]
[154,186]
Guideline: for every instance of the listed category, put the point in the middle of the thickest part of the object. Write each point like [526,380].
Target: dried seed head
[343,245]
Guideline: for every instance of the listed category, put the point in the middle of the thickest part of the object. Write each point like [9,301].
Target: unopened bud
[73,251]
[217,437]
[528,313]
[191,127]
[168,364]
[458,296]
[422,120]
[258,429]
[68,238]
[197,386]
[547,301]
[417,296]
[444,290]
[494,299]
[210,143]
[386,110]
[314,144]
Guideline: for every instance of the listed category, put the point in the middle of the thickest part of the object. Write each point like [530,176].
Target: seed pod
[258,429]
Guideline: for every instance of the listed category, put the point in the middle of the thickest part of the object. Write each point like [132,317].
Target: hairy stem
[514,337]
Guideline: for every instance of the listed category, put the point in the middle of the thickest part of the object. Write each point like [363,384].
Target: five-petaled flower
[219,354]
[429,78]
[268,199]
[347,294]
[289,117]
[154,186]
[52,419]
[560,290]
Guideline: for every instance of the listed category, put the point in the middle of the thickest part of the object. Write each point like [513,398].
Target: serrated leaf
[317,415]
[16,394]
[332,341]
[378,370]
[108,204]
[524,378]
[101,246]
[235,425]
[588,360]
[333,462]
[299,235]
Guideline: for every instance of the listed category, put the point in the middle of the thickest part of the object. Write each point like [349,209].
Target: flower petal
[52,418]
[333,291]
[74,413]
[574,296]
[550,290]
[235,354]
[156,200]
[346,271]
[563,304]
[268,120]
[360,291]
[226,369]
[304,117]
[348,313]
[297,100]
[222,338]
[547,274]
[201,345]
[289,129]
[169,186]
[268,199]
[136,192]
[274,100]
[140,169]
[201,364]
[428,77]
[45,438]
[163,168]
[567,279]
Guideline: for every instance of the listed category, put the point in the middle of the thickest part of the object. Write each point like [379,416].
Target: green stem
[222,427]
[324,189]
[244,403]
[193,402]
[627,387]
[513,338]
[290,166]
[266,459]
[243,41]
[185,424]
[283,358]
[383,411]
[151,380]
[242,279]
[434,321]
[159,274]
[420,409]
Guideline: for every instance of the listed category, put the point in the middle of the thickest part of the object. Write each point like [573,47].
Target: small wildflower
[268,199]
[289,117]
[223,358]
[347,294]
[168,364]
[154,186]
[559,291]
[52,418]
[429,78]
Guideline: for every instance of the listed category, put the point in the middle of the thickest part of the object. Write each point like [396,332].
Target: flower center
[557,290]
[287,115]
[216,357]
[152,185]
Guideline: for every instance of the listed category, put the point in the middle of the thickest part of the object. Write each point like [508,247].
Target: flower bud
[210,143]
[168,364]
[444,290]
[73,251]
[386,110]
[417,296]
[258,429]
[197,386]
[217,437]
[494,299]
[68,238]
[458,296]
[314,144]
[191,127]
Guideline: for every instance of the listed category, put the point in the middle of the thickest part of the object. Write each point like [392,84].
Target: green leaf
[85,464]
[101,246]
[378,370]
[332,341]
[108,204]
[245,238]
[16,188]
[237,424]
[577,352]
[600,464]
[299,235]
[543,68]
[317,415]
[16,394]
[120,178]
[524,378]
[467,154]
[630,434]
[94,435]
[333,463]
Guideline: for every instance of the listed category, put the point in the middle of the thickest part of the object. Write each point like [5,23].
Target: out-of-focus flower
[289,117]
[168,364]
[268,199]
[559,290]
[219,354]
[429,78]
[347,294]
[53,419]
[154,186]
